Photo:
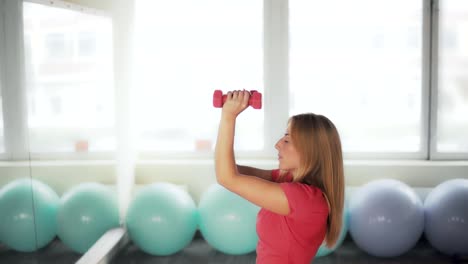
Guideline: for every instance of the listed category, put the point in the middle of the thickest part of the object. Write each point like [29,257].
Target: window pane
[68,57]
[359,63]
[184,51]
[452,130]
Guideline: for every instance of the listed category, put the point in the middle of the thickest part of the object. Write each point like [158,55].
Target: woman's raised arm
[247,170]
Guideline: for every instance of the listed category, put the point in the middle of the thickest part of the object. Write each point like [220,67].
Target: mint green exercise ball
[28,211]
[87,211]
[323,249]
[228,221]
[162,219]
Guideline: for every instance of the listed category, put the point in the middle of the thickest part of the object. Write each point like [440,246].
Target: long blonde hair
[317,140]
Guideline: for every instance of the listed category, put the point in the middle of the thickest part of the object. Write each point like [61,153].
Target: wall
[198,175]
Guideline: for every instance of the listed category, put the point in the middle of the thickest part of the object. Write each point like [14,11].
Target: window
[57,46]
[87,44]
[452,110]
[70,100]
[392,75]
[184,51]
[362,68]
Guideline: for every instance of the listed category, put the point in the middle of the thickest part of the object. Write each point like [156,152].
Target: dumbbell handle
[255,99]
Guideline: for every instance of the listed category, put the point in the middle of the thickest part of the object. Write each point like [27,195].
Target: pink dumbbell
[255,99]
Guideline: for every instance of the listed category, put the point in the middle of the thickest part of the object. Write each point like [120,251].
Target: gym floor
[199,252]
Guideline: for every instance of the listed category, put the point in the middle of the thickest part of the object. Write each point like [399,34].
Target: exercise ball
[86,212]
[162,219]
[386,218]
[28,211]
[446,217]
[228,221]
[323,249]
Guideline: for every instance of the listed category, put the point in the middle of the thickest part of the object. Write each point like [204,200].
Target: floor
[199,252]
[56,252]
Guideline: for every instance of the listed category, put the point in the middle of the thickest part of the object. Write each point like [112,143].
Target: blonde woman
[302,201]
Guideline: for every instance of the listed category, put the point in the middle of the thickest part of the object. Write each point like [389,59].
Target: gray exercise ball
[386,218]
[446,217]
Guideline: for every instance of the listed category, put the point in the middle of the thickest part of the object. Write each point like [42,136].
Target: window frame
[276,78]
[13,90]
[434,80]
[15,127]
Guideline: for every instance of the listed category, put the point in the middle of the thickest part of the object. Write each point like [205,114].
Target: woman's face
[288,156]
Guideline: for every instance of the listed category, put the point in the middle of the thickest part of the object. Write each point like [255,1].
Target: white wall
[198,175]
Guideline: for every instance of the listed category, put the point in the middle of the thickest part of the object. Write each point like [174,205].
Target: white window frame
[277,80]
[276,96]
[13,83]
[276,15]
[13,90]
[433,153]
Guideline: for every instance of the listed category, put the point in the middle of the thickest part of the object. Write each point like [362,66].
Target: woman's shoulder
[310,191]
[301,194]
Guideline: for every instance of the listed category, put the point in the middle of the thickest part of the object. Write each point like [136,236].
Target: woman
[302,202]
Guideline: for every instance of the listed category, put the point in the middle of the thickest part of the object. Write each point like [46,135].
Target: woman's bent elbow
[223,181]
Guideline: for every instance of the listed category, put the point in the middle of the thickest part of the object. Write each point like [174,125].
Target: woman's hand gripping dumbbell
[255,99]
